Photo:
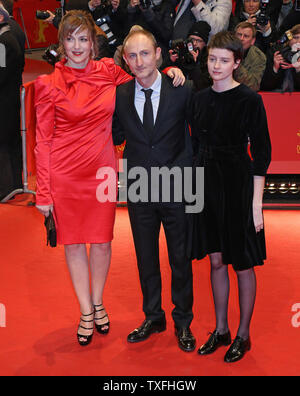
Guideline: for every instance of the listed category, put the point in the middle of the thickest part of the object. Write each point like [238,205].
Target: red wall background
[40,34]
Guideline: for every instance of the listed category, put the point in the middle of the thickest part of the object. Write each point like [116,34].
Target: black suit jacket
[170,144]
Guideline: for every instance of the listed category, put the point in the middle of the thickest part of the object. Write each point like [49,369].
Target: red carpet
[42,313]
[33,68]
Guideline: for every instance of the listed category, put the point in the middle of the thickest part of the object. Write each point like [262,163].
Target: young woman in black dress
[230,228]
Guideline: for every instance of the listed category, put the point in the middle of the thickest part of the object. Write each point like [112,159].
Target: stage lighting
[294,188]
[272,189]
[283,188]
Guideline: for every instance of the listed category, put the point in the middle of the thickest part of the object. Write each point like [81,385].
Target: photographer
[257,13]
[11,65]
[215,12]
[191,55]
[253,65]
[110,16]
[156,16]
[15,29]
[283,64]
[291,19]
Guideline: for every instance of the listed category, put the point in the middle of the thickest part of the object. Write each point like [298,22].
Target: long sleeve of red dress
[74,109]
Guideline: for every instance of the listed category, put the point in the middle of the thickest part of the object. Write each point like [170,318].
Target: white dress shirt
[140,99]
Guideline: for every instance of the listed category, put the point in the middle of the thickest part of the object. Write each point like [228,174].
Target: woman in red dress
[74,107]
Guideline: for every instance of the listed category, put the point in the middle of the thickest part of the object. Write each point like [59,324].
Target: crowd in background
[183,29]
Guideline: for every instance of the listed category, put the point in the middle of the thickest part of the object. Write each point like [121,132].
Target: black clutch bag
[51,230]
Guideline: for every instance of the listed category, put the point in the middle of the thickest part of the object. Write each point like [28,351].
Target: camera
[262,18]
[103,24]
[182,48]
[51,54]
[40,14]
[282,45]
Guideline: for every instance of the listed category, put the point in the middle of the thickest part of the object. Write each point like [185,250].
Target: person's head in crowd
[8,5]
[134,28]
[77,37]
[4,16]
[225,53]
[199,34]
[296,35]
[251,6]
[246,32]
[141,54]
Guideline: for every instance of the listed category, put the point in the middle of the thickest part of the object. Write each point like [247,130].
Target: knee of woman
[217,262]
[103,248]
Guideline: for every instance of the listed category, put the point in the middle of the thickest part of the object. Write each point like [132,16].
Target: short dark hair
[227,40]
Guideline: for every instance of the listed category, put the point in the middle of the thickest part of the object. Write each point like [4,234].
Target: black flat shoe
[102,328]
[84,340]
[186,340]
[214,342]
[147,328]
[237,350]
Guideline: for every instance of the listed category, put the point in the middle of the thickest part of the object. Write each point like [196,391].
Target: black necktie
[148,119]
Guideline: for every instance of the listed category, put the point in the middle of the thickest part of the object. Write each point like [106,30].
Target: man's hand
[51,17]
[195,54]
[279,62]
[94,3]
[252,20]
[134,3]
[177,75]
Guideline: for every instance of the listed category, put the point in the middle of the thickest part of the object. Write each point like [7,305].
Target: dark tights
[220,288]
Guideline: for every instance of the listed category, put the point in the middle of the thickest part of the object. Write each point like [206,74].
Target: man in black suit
[151,115]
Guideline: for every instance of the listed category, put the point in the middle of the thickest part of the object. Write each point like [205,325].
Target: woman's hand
[177,75]
[45,209]
[258,217]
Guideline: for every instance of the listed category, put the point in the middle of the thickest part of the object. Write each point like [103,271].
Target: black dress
[222,125]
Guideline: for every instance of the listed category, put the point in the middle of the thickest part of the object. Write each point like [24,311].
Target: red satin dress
[74,149]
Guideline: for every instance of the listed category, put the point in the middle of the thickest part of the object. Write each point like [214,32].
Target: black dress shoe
[214,342]
[186,340]
[237,350]
[147,328]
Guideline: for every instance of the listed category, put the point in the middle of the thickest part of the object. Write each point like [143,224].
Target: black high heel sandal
[101,327]
[86,338]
